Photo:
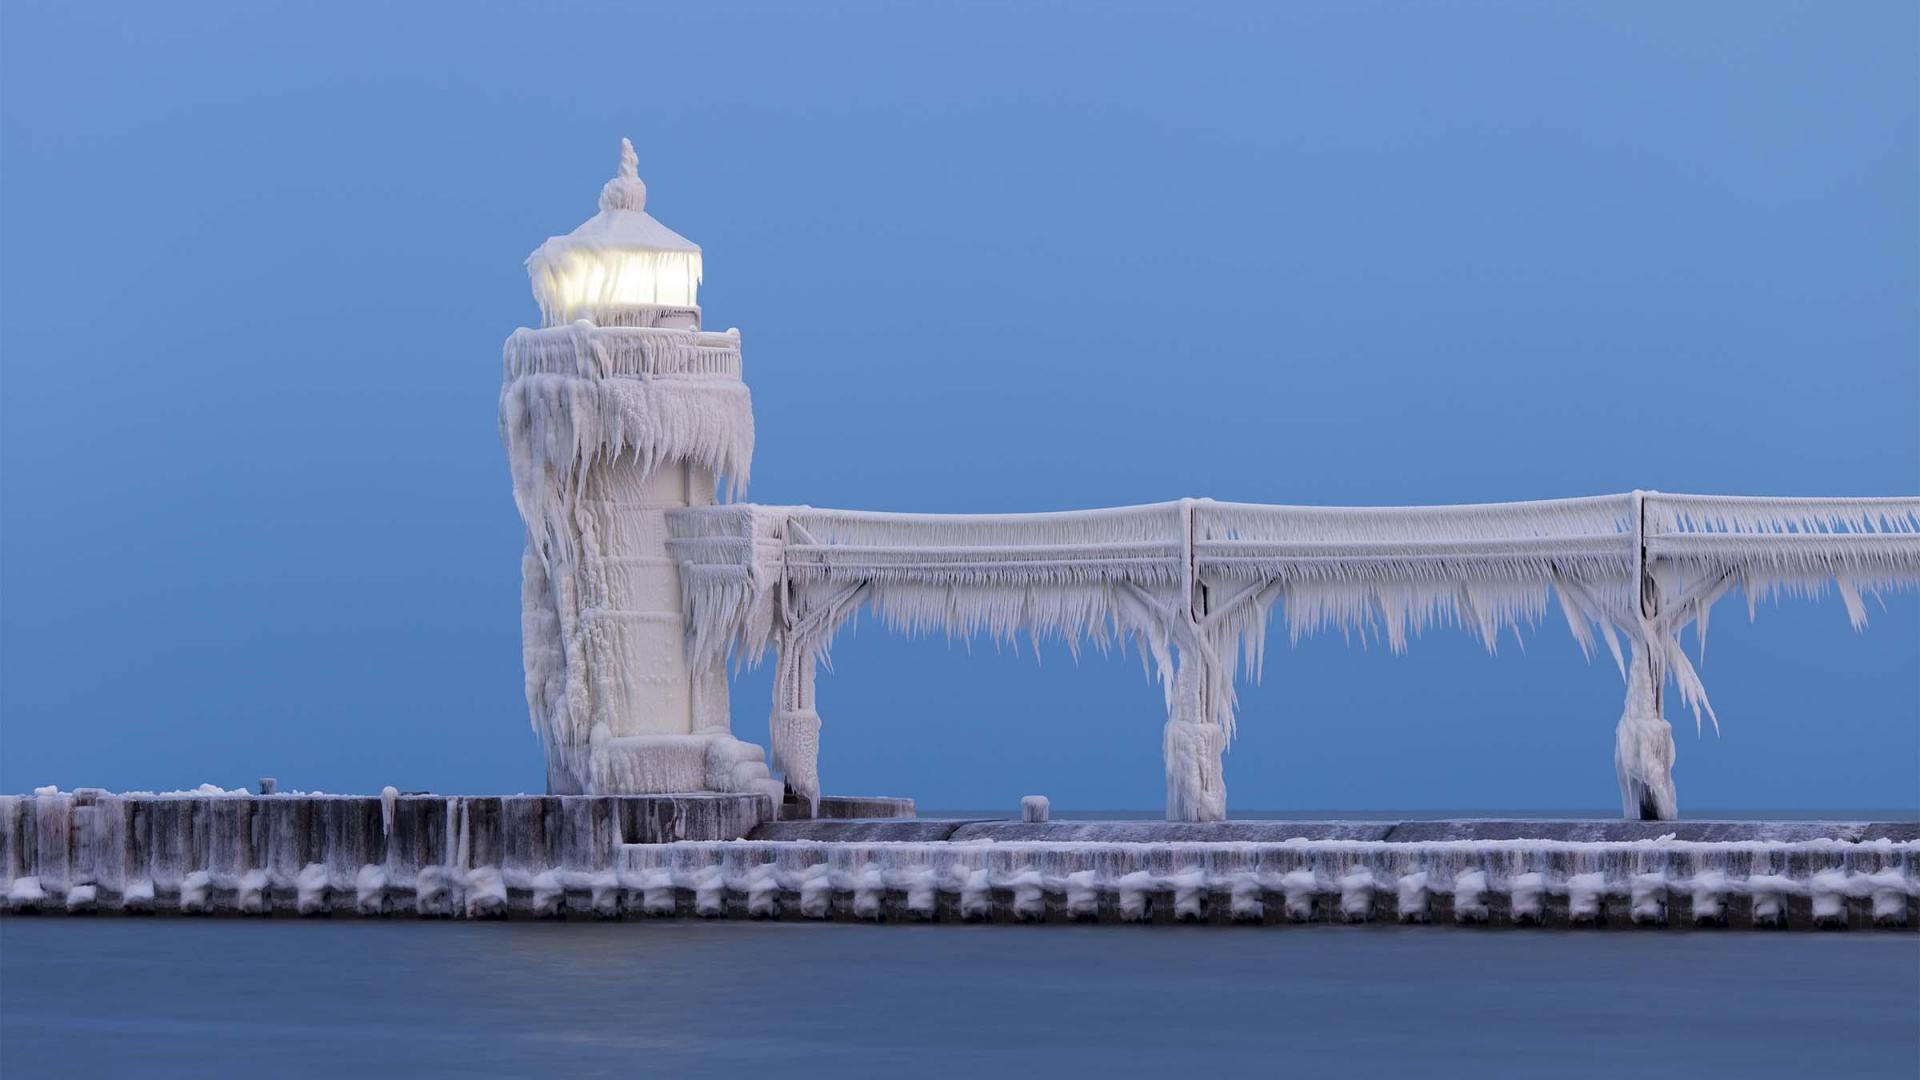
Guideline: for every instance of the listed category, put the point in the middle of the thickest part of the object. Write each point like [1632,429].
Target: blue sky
[257,260]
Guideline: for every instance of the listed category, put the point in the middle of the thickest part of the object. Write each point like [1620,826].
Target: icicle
[588,414]
[1643,752]
[1117,576]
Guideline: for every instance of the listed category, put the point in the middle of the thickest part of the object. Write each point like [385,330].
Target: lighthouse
[615,411]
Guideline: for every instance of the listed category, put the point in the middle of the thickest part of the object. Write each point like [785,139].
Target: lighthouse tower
[617,410]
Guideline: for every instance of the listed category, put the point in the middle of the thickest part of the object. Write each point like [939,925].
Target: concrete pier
[449,855]
[91,852]
[1798,875]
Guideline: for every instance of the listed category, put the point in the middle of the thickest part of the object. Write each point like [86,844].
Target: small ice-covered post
[617,411]
[1643,750]
[1034,809]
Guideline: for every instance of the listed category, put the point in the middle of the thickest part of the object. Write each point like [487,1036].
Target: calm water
[183,997]
[1906,813]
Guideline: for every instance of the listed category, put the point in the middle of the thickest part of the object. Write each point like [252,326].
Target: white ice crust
[1193,585]
[592,409]
[1351,880]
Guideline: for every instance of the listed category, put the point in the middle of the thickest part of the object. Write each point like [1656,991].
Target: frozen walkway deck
[961,830]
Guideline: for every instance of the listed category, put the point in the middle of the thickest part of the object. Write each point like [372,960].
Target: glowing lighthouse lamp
[620,268]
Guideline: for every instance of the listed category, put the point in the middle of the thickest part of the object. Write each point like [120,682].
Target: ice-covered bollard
[1770,893]
[1889,892]
[196,891]
[1189,894]
[1830,889]
[816,891]
[710,893]
[1470,897]
[1246,900]
[1300,887]
[268,785]
[433,892]
[604,894]
[25,894]
[1710,899]
[923,893]
[1033,809]
[252,898]
[1356,895]
[763,891]
[369,890]
[869,891]
[1586,898]
[1647,899]
[310,890]
[1131,893]
[657,897]
[1083,895]
[486,893]
[976,895]
[1413,900]
[1528,898]
[1029,896]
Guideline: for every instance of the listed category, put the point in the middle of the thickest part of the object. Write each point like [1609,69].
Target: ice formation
[1528,881]
[606,857]
[621,418]
[1193,585]
[317,854]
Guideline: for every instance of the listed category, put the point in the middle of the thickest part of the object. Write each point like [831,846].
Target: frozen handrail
[1195,583]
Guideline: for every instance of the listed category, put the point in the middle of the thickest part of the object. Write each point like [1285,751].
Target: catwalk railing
[1194,584]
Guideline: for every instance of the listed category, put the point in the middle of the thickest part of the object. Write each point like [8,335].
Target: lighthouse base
[661,765]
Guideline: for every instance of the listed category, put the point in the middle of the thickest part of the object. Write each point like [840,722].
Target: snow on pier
[1657,882]
[726,856]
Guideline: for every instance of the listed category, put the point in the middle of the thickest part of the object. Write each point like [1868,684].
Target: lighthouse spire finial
[625,191]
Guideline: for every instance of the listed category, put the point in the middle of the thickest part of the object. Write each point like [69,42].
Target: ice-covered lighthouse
[618,409]
[623,420]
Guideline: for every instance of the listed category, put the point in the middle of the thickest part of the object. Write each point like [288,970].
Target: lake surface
[1907,813]
[283,997]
